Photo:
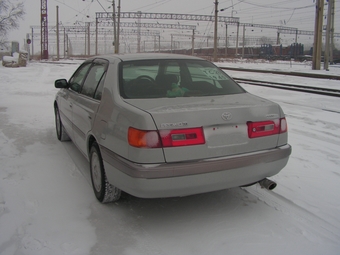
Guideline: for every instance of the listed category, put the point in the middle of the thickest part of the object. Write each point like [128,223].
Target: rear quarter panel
[115,116]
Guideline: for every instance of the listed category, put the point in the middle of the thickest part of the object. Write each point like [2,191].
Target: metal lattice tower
[44,30]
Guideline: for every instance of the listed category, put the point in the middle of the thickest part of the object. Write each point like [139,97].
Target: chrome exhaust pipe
[267,184]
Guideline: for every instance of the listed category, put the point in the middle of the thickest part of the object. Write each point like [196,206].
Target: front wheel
[104,191]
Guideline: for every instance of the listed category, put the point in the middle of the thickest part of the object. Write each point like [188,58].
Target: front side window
[78,77]
[174,78]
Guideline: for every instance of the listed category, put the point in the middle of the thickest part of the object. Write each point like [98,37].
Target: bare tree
[10,15]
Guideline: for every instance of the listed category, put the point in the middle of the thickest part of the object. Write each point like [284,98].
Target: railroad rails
[300,88]
[293,87]
[309,75]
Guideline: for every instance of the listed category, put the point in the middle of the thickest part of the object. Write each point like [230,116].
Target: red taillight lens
[266,128]
[167,138]
[182,137]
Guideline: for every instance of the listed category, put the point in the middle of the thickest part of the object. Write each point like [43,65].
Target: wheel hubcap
[96,172]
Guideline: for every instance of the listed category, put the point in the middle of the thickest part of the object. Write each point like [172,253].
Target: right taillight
[266,128]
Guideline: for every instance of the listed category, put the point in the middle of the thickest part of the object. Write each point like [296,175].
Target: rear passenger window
[99,91]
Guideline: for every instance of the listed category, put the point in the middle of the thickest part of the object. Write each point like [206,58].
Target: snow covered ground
[47,205]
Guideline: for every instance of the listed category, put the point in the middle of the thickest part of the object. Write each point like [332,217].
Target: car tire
[104,191]
[60,130]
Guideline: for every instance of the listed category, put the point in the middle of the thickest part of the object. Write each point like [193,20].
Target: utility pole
[88,39]
[96,48]
[85,42]
[328,34]
[118,28]
[243,40]
[215,31]
[139,14]
[27,46]
[332,32]
[226,40]
[237,33]
[193,43]
[32,44]
[67,49]
[154,44]
[64,43]
[159,44]
[114,25]
[57,9]
[317,47]
[296,47]
[171,43]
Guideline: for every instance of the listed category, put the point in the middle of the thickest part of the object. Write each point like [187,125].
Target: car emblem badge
[226,116]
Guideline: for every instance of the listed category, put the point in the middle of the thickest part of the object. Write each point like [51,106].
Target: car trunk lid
[223,120]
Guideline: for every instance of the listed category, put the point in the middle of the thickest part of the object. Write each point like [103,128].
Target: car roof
[145,56]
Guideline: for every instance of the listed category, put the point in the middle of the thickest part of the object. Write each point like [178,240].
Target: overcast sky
[292,13]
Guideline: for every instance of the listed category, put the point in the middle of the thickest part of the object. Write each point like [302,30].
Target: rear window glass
[174,78]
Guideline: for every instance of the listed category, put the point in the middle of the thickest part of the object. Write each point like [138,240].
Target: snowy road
[47,205]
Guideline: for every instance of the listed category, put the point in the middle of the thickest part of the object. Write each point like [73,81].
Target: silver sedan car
[159,125]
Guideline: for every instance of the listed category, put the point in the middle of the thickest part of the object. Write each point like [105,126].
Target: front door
[86,105]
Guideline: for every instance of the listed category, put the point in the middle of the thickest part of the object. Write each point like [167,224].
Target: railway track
[307,75]
[294,87]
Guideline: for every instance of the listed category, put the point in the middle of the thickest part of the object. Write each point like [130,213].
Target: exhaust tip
[267,184]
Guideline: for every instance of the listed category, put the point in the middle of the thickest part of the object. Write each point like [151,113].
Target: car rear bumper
[182,179]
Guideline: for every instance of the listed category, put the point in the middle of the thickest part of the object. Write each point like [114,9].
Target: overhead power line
[280,8]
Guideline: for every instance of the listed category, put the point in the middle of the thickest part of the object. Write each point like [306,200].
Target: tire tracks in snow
[320,227]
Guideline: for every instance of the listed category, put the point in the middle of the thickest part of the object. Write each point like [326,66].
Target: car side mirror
[61,84]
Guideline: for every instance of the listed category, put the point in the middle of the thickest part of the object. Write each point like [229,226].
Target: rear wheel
[104,191]
[60,130]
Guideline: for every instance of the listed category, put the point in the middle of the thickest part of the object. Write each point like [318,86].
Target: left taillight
[143,138]
[165,138]
[266,128]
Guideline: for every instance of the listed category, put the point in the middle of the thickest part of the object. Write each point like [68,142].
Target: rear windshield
[174,78]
